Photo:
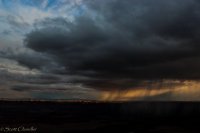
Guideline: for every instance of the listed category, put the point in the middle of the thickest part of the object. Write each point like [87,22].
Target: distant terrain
[92,116]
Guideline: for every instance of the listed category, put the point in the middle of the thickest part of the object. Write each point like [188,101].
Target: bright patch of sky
[17,17]
[20,15]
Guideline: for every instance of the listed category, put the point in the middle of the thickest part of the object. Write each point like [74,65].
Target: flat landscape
[91,116]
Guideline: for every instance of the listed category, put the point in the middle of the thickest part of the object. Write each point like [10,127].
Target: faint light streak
[187,90]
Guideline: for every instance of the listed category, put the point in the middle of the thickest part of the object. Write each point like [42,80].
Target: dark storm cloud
[70,46]
[132,39]
[129,84]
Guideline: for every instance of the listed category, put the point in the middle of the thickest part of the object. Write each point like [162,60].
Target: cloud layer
[136,39]
[103,45]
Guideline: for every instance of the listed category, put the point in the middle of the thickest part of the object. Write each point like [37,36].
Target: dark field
[127,117]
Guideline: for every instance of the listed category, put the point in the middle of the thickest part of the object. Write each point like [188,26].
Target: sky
[105,50]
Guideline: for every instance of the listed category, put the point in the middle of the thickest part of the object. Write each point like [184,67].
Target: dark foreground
[129,117]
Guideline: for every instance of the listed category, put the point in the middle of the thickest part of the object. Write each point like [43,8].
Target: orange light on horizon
[184,91]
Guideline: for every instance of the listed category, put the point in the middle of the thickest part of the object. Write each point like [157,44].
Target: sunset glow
[185,91]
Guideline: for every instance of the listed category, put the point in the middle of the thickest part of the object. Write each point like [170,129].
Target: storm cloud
[106,47]
[125,39]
